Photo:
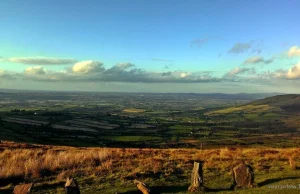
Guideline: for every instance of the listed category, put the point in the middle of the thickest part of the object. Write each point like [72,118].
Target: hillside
[278,104]
[289,102]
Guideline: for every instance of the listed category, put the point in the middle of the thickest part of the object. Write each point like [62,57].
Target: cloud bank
[39,60]
[94,71]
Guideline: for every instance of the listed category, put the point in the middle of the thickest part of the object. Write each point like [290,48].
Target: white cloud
[40,60]
[87,66]
[36,70]
[294,72]
[294,51]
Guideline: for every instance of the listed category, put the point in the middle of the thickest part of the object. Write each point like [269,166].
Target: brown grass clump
[37,162]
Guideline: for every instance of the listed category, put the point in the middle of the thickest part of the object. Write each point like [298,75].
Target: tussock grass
[40,162]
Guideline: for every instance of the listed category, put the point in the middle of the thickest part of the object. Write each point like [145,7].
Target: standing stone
[23,189]
[197,178]
[243,176]
[141,186]
[71,186]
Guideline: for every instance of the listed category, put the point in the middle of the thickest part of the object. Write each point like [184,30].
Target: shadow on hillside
[270,181]
[6,191]
[217,190]
[11,180]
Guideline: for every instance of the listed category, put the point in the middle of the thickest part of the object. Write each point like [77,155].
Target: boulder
[243,176]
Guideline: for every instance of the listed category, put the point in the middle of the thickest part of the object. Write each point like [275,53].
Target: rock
[243,176]
[71,186]
[23,189]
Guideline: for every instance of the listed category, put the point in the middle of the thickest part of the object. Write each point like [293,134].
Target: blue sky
[134,45]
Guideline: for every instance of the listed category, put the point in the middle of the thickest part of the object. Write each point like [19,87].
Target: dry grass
[29,162]
[42,161]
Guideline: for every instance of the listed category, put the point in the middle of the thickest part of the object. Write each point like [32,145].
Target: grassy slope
[107,171]
[289,103]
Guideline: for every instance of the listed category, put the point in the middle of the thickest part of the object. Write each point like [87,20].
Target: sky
[224,46]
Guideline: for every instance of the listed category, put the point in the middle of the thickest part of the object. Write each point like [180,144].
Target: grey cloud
[238,70]
[240,48]
[166,73]
[7,75]
[119,68]
[254,60]
[269,61]
[258,59]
